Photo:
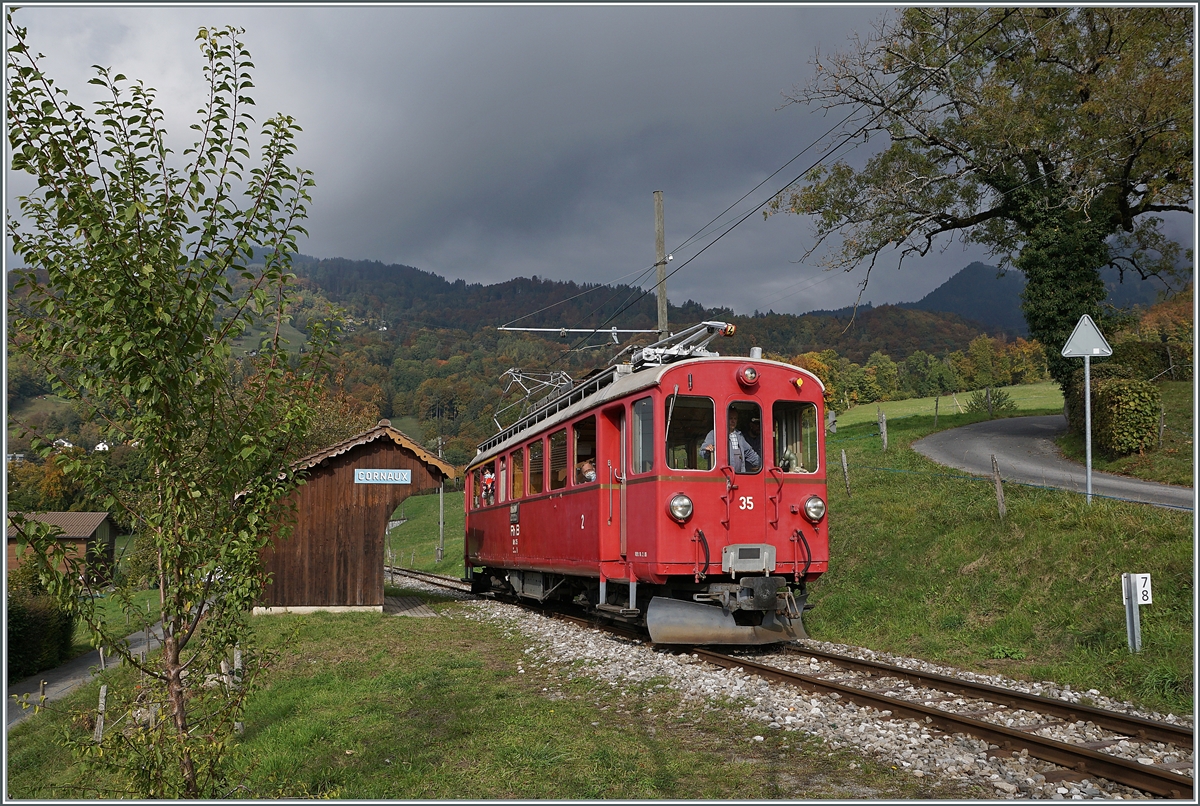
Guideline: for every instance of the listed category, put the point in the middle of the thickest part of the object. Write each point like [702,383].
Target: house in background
[88,534]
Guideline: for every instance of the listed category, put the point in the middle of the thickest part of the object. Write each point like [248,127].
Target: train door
[741,462]
[612,441]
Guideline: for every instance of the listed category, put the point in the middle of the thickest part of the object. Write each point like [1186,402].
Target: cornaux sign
[368,476]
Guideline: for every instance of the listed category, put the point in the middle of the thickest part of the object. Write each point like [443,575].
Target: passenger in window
[742,457]
[585,471]
[489,486]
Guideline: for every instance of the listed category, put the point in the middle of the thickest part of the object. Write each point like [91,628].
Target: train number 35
[746,502]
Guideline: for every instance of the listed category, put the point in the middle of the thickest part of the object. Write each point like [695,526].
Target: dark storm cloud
[488,143]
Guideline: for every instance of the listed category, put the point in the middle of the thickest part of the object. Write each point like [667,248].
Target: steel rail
[1130,773]
[1133,726]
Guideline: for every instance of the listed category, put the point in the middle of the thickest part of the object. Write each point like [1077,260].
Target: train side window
[689,430]
[643,436]
[501,480]
[744,425]
[585,450]
[795,438]
[537,468]
[476,488]
[518,474]
[558,459]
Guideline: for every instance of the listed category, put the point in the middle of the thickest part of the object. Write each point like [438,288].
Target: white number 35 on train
[746,502]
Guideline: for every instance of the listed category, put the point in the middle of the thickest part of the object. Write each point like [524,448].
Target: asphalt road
[1025,452]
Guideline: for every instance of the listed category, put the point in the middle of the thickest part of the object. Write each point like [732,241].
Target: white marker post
[1087,341]
[1135,589]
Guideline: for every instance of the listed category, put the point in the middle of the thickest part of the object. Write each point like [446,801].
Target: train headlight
[747,376]
[680,507]
[814,509]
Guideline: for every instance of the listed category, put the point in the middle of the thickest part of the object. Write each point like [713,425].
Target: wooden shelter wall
[334,556]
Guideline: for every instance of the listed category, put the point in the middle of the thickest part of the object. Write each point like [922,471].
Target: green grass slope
[1029,399]
[922,564]
[413,544]
[370,706]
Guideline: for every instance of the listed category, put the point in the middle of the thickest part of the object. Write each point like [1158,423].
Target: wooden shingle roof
[381,431]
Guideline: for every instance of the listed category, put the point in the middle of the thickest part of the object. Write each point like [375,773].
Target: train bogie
[687,496]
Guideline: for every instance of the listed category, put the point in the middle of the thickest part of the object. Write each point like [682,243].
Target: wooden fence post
[239,727]
[1162,424]
[989,401]
[883,429]
[102,659]
[845,472]
[999,487]
[98,736]
[936,401]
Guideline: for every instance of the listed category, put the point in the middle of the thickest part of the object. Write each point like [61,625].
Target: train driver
[742,457]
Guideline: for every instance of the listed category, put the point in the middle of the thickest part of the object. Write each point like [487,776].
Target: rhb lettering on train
[382,476]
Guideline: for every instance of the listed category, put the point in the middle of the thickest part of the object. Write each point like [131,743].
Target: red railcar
[683,490]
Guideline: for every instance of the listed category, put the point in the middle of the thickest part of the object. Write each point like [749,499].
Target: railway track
[440,580]
[874,685]
[990,700]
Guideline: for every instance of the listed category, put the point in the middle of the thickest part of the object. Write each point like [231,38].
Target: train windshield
[689,428]
[795,437]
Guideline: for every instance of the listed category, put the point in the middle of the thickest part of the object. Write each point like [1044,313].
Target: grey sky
[488,143]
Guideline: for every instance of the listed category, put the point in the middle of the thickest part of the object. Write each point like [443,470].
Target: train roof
[612,383]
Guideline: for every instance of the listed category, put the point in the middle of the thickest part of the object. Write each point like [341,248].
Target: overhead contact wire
[847,139]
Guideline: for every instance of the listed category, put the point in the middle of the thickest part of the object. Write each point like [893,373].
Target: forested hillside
[392,296]
[426,352]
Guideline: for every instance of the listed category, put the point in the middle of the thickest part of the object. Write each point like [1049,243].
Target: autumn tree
[1057,137]
[143,268]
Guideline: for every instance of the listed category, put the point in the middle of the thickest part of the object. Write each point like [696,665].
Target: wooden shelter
[86,534]
[333,559]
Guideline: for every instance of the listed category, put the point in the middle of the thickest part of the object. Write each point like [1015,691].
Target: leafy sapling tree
[1058,137]
[143,268]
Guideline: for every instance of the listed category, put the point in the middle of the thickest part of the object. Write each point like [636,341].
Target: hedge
[1152,360]
[1073,393]
[1125,410]
[40,633]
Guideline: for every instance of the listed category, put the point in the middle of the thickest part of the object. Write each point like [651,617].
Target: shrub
[1124,415]
[1001,401]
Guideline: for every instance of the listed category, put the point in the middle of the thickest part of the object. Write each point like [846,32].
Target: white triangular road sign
[1086,340]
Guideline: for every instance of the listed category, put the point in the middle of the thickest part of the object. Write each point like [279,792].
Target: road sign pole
[1087,341]
[1087,419]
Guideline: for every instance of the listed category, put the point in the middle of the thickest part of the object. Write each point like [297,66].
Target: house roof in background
[72,524]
